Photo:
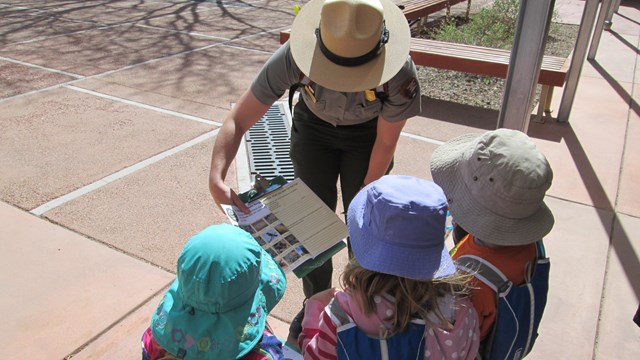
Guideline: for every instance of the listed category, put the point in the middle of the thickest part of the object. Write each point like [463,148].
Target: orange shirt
[511,260]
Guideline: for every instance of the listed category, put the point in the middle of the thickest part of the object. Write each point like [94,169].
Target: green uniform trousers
[321,154]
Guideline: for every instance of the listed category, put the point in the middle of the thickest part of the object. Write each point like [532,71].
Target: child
[495,185]
[217,307]
[403,294]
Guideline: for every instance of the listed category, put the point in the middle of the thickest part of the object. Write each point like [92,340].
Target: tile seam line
[203,48]
[110,246]
[106,73]
[52,204]
[614,218]
[576,202]
[212,37]
[151,61]
[102,26]
[12,7]
[232,43]
[104,331]
[61,72]
[42,38]
[144,106]
[49,88]
[626,133]
[421,138]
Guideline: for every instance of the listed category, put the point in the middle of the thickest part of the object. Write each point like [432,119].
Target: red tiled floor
[53,141]
[628,201]
[104,49]
[84,276]
[62,289]
[16,79]
[203,84]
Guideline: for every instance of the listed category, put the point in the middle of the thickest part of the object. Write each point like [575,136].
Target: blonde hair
[413,298]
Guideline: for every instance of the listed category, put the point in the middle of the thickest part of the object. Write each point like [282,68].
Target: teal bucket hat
[218,304]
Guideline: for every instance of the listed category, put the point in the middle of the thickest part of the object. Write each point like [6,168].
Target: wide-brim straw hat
[218,305]
[397,227]
[350,29]
[495,184]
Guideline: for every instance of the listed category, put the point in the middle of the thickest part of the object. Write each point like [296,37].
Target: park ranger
[358,85]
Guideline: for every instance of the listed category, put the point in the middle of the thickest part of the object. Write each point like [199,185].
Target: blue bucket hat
[397,226]
[218,304]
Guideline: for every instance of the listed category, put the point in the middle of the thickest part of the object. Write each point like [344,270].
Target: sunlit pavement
[108,113]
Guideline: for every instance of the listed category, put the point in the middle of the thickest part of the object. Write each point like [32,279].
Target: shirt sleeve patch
[410,88]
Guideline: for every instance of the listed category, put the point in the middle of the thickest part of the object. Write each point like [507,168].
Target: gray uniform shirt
[339,108]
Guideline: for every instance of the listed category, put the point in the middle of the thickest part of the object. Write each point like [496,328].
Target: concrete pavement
[108,113]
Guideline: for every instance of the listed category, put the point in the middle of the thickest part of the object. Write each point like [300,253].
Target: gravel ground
[484,91]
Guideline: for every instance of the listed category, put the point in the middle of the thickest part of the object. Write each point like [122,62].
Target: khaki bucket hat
[350,45]
[495,185]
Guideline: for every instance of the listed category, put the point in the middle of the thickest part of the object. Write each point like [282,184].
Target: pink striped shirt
[318,337]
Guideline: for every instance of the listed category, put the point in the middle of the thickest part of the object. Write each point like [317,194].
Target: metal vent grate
[268,144]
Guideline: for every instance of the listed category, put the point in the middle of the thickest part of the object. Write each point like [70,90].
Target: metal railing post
[606,6]
[609,20]
[527,51]
[579,52]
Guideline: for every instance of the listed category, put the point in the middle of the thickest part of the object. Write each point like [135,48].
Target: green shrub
[492,26]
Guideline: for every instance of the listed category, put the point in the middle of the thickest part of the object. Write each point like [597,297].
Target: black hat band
[354,61]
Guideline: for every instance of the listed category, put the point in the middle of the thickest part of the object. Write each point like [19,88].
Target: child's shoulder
[463,340]
[497,254]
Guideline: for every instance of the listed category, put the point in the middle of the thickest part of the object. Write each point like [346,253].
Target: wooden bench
[483,61]
[489,62]
[415,9]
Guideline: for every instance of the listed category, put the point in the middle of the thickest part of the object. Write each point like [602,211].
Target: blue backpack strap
[519,307]
[337,314]
[491,275]
[352,343]
[540,251]
[343,322]
[540,286]
[485,272]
